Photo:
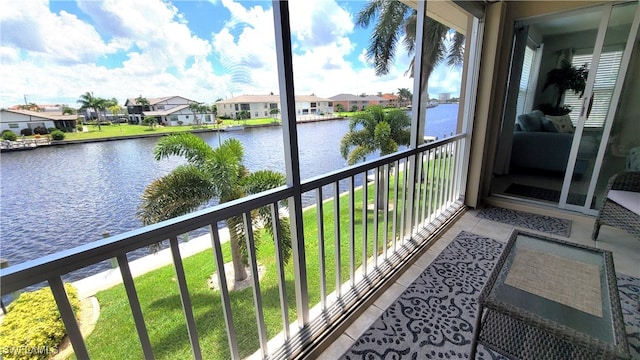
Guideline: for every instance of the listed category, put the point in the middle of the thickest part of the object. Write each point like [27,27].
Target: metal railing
[368,218]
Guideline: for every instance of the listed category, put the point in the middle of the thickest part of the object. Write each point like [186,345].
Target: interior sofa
[539,145]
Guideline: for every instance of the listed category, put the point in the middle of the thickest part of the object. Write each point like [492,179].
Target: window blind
[523,88]
[605,82]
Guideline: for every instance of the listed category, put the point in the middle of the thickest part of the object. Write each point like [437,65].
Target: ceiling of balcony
[445,12]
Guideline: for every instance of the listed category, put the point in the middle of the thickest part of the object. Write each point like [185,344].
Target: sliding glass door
[596,112]
[570,117]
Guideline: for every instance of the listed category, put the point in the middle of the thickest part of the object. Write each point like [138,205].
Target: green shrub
[51,129]
[33,328]
[40,130]
[26,132]
[9,135]
[79,128]
[57,135]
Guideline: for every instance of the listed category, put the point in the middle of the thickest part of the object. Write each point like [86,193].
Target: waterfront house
[349,101]
[168,111]
[509,48]
[393,100]
[16,120]
[260,106]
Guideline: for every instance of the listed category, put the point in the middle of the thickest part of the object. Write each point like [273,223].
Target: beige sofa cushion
[562,123]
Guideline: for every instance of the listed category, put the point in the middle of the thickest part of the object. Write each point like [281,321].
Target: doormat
[538,193]
[548,224]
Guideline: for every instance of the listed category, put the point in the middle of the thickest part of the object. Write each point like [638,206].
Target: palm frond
[187,145]
[263,180]
[455,54]
[369,12]
[226,169]
[362,139]
[181,191]
[359,153]
[390,15]
[409,40]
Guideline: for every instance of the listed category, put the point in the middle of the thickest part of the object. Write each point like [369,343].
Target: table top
[558,283]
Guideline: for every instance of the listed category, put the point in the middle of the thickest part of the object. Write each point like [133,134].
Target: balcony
[425,214]
[364,252]
[407,198]
[625,249]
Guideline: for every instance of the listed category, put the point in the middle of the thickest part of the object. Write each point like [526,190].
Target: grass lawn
[115,337]
[250,122]
[117,130]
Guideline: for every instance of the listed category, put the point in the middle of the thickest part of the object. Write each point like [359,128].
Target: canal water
[56,198]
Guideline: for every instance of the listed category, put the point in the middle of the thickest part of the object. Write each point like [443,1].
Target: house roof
[50,115]
[268,99]
[153,101]
[165,112]
[343,97]
[252,99]
[351,97]
[390,96]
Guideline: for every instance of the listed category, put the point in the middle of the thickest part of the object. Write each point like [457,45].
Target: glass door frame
[573,154]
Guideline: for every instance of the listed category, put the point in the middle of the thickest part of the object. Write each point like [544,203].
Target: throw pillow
[548,126]
[633,160]
[531,121]
[562,123]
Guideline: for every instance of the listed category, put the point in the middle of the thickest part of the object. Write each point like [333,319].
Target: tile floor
[626,254]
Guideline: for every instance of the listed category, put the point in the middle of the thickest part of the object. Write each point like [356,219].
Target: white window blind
[523,89]
[606,77]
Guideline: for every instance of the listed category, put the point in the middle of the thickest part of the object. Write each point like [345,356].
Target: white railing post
[185,298]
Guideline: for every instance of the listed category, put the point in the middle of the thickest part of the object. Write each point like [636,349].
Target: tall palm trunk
[98,116]
[235,237]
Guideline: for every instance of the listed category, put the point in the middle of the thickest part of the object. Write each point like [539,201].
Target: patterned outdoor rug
[434,317]
[548,224]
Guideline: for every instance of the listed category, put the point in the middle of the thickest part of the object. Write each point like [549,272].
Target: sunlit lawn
[117,130]
[115,336]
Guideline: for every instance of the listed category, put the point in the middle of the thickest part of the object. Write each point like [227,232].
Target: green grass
[122,130]
[251,122]
[115,335]
[118,130]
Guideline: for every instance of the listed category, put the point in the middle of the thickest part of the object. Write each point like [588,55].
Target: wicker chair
[612,213]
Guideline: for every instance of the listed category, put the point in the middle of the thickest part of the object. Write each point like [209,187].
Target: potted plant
[566,77]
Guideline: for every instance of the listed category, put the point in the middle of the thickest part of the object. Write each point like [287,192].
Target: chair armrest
[625,181]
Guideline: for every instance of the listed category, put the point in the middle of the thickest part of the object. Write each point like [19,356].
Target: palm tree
[195,108]
[210,173]
[274,112]
[143,102]
[214,111]
[88,101]
[396,20]
[68,110]
[375,130]
[404,94]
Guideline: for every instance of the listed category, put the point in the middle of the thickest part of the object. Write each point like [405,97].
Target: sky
[51,52]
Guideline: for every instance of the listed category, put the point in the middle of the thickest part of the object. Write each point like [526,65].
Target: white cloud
[60,38]
[246,50]
[55,57]
[324,60]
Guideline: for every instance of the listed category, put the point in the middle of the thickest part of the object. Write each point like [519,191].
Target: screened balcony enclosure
[367,223]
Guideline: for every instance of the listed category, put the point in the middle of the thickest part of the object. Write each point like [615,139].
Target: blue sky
[53,51]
